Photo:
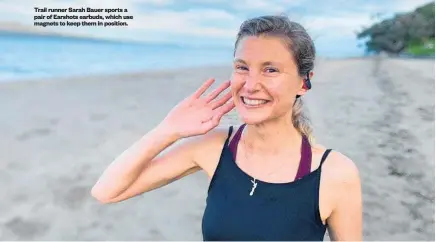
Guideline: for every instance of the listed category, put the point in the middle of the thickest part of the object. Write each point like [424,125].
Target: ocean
[31,57]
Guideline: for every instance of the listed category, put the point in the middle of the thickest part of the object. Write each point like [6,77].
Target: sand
[59,135]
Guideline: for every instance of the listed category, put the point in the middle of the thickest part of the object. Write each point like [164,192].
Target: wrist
[167,133]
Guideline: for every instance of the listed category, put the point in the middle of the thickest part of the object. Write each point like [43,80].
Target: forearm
[127,167]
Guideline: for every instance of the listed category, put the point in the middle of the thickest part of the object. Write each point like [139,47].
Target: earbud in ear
[307,83]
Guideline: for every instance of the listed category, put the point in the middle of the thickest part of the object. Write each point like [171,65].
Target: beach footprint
[26,229]
[34,133]
[426,113]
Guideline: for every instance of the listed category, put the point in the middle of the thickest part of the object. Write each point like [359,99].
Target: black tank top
[275,211]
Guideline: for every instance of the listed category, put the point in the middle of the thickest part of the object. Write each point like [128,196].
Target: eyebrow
[266,63]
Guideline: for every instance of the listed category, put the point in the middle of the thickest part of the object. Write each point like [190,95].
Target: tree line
[404,33]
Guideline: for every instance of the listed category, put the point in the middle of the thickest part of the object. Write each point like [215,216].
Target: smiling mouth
[254,102]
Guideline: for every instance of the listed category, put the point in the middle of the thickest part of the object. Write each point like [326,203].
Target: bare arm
[140,163]
[144,167]
[345,222]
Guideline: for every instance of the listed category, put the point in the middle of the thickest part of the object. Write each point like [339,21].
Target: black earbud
[307,83]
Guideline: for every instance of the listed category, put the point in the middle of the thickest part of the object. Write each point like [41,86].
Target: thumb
[217,116]
[212,123]
[216,119]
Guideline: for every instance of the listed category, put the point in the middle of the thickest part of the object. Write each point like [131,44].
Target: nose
[252,81]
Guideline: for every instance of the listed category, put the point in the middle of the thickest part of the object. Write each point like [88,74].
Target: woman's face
[265,79]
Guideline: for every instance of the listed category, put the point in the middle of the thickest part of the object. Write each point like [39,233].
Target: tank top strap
[324,156]
[233,146]
[305,164]
[229,135]
[219,165]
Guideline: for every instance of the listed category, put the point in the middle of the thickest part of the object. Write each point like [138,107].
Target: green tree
[399,33]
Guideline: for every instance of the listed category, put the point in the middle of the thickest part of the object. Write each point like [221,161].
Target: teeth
[253,102]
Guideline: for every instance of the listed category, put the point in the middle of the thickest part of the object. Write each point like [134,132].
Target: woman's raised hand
[198,114]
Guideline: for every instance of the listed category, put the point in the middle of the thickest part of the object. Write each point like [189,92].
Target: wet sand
[59,135]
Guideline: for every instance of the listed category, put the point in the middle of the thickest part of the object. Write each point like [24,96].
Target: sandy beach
[59,135]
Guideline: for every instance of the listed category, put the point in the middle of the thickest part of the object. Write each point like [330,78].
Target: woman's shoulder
[337,166]
[215,136]
[209,145]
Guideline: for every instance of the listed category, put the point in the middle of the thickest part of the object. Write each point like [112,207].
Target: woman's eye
[241,68]
[271,70]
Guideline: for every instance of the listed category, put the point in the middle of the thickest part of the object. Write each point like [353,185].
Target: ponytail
[301,121]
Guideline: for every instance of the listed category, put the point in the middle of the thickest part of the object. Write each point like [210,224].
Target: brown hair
[302,49]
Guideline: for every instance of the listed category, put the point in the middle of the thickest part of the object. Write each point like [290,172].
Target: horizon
[214,24]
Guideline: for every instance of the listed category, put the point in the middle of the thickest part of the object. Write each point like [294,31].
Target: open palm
[198,114]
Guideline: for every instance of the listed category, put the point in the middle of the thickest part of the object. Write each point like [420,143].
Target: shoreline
[168,71]
[148,72]
[129,74]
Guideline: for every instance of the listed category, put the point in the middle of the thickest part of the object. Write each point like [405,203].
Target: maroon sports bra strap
[233,146]
[306,159]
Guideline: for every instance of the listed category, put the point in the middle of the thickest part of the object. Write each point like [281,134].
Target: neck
[273,136]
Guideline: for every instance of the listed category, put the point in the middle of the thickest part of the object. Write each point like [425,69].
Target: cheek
[236,83]
[279,89]
[282,93]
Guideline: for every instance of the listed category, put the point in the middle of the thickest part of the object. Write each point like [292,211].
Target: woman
[268,180]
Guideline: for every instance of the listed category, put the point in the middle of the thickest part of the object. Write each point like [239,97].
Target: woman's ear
[304,89]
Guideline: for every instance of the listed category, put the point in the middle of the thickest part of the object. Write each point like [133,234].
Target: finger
[217,91]
[221,101]
[203,88]
[224,109]
[218,114]
[209,124]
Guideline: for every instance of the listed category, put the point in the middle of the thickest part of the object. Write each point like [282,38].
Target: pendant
[254,186]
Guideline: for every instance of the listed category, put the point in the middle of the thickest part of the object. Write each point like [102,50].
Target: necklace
[253,181]
[254,186]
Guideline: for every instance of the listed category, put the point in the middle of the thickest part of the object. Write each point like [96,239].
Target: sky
[214,23]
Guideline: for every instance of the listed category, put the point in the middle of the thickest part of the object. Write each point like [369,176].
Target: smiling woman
[268,180]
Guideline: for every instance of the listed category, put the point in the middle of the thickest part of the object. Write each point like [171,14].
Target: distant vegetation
[406,33]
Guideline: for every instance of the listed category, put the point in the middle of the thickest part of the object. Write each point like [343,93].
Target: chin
[252,120]
[253,117]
